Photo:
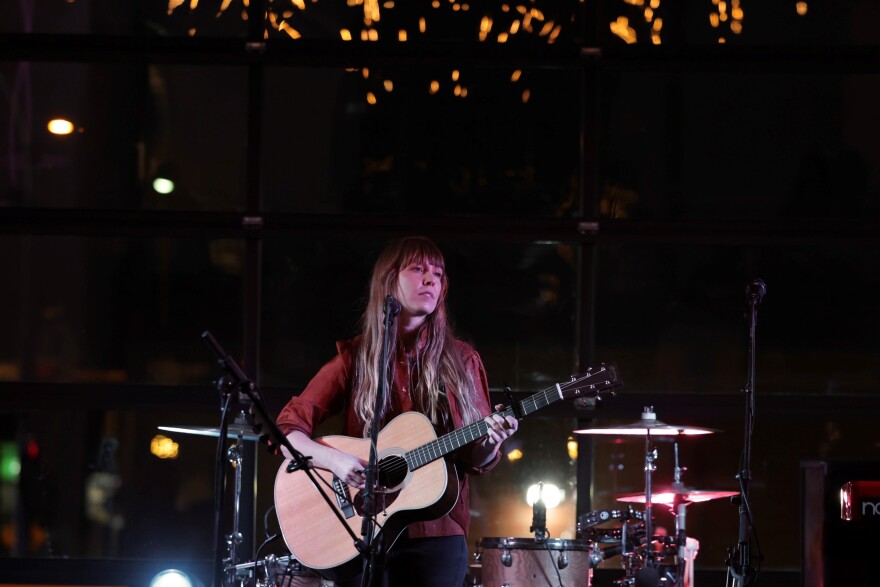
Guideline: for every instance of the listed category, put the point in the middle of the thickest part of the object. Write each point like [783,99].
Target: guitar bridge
[343,499]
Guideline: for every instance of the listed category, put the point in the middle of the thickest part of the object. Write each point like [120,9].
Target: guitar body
[315,536]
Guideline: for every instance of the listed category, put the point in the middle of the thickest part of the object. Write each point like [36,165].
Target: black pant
[426,562]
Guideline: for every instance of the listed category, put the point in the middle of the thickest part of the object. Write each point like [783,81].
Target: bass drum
[524,562]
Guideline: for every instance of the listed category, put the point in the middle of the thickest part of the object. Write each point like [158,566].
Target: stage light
[172,578]
[163,185]
[551,495]
[60,126]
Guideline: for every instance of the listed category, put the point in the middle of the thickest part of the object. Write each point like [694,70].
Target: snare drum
[524,562]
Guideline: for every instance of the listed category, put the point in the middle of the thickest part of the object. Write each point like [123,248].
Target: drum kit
[663,561]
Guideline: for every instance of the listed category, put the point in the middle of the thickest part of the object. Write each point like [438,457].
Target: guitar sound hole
[392,471]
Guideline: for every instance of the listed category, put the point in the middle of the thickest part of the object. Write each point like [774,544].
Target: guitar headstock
[594,383]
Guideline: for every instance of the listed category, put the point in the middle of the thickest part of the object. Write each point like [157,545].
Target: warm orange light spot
[345,34]
[291,32]
[514,77]
[526,95]
[371,98]
[455,75]
[422,25]
[365,72]
[389,85]
[163,447]
[502,37]
[60,126]
[374,35]
[401,36]
[621,28]
[434,87]
[801,8]
[172,4]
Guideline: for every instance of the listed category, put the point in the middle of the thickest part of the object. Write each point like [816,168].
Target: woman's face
[419,285]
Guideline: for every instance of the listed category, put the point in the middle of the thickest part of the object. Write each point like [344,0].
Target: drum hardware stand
[679,505]
[234,454]
[233,380]
[650,467]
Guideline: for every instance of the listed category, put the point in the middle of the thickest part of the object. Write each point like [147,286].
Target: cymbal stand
[680,511]
[650,457]
[234,454]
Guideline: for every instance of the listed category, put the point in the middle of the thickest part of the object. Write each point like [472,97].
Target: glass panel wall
[114,310]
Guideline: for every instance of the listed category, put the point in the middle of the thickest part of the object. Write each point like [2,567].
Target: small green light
[10,463]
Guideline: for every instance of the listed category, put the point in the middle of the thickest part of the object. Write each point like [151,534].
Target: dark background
[596,200]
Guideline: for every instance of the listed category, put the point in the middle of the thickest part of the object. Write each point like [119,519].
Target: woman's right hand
[348,467]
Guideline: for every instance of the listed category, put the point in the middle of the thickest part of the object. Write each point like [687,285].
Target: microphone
[392,306]
[539,516]
[756,290]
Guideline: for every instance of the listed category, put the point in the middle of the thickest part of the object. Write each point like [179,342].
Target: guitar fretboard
[430,452]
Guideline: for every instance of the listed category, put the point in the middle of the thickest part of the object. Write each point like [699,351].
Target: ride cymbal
[648,424]
[232,431]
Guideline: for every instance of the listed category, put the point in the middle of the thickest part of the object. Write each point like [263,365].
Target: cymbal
[232,431]
[648,424]
[672,496]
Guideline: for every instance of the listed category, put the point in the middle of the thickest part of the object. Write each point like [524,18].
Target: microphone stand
[368,577]
[739,567]
[235,379]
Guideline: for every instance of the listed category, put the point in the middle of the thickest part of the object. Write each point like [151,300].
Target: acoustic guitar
[415,482]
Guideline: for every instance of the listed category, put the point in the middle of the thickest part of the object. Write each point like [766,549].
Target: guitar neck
[442,446]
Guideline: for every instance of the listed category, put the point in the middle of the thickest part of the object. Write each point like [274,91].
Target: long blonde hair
[439,368]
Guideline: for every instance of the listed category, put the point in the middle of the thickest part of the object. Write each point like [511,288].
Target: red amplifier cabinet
[840,514]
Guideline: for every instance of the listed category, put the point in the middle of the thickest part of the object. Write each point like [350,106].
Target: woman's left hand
[500,427]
